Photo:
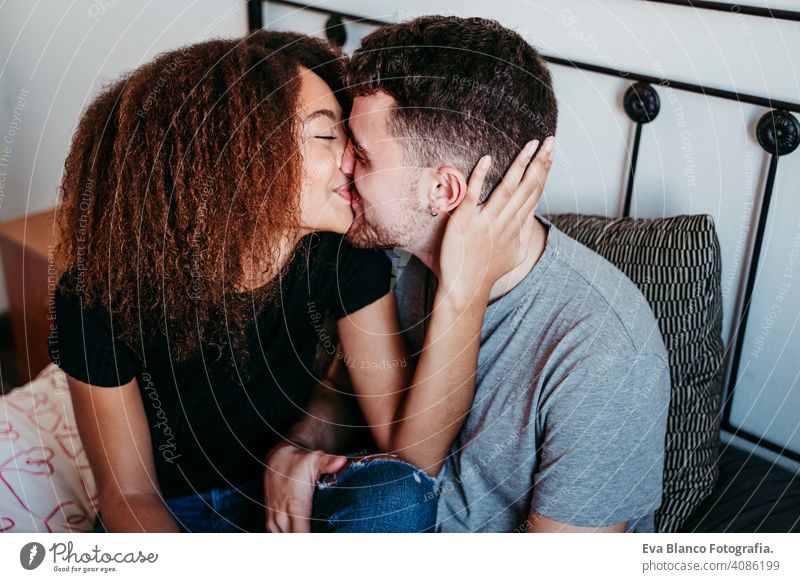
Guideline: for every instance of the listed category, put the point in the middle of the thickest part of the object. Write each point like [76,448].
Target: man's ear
[447,189]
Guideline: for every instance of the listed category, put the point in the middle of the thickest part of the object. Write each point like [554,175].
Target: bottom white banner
[240,557]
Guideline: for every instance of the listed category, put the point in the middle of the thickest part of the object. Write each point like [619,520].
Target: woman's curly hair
[182,185]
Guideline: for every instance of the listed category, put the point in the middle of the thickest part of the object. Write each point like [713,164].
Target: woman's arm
[415,416]
[418,413]
[113,428]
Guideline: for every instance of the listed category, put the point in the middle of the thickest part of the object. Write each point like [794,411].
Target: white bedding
[46,484]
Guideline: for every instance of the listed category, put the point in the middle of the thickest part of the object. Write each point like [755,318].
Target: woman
[203,206]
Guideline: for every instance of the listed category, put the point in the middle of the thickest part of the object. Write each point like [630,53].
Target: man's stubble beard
[409,222]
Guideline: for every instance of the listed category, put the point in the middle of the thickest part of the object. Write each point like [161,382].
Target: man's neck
[429,252]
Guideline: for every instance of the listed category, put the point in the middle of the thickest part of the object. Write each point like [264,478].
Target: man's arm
[602,449]
[537,523]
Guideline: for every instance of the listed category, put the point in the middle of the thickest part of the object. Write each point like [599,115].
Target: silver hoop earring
[434,213]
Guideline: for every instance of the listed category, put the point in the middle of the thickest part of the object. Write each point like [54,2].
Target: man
[567,427]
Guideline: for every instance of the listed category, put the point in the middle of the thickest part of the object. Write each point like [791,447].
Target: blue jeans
[223,509]
[375,493]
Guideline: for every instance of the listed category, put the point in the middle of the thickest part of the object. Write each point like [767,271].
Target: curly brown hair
[182,185]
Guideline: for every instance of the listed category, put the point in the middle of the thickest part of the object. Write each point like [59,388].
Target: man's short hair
[464,87]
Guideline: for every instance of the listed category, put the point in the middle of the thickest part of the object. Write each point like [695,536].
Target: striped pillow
[675,262]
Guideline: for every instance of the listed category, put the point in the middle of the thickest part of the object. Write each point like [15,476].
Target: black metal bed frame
[778,133]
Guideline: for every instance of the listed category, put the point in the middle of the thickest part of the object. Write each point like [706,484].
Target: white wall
[699,156]
[53,58]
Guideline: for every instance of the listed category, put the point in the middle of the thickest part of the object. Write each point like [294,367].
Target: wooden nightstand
[26,246]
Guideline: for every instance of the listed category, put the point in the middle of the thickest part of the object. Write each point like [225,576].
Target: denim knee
[376,494]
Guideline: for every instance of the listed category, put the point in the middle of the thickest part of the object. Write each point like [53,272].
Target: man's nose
[348,162]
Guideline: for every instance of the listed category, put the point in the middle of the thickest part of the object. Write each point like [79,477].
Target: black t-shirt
[208,427]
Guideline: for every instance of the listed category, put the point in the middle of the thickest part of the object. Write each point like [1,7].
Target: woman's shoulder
[81,339]
[69,290]
[67,280]
[71,312]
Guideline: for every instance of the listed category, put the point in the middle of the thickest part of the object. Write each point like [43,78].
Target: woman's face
[325,193]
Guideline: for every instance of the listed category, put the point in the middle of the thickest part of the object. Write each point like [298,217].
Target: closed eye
[358,153]
[330,137]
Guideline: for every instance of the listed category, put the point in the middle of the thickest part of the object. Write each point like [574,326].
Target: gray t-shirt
[570,408]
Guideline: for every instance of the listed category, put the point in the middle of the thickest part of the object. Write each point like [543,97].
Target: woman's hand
[290,479]
[482,242]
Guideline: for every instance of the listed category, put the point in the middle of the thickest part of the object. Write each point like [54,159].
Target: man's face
[388,206]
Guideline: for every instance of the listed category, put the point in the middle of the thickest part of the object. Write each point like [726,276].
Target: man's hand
[289,480]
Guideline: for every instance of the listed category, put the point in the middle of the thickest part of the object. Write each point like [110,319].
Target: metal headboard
[778,133]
